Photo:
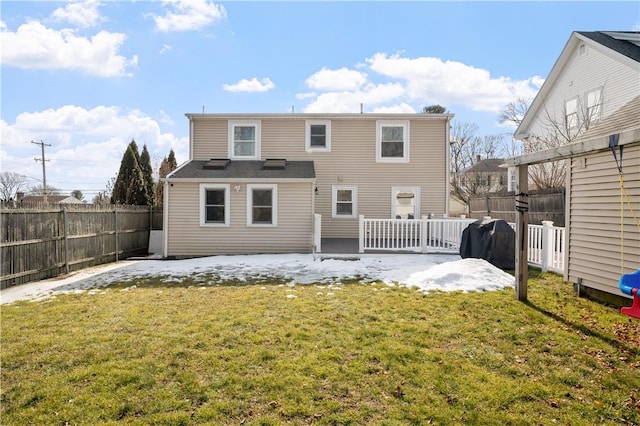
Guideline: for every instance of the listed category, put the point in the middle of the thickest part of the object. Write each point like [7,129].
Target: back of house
[265,183]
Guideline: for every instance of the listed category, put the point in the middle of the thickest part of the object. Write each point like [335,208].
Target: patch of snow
[424,272]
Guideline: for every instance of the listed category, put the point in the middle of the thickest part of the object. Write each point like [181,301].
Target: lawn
[149,352]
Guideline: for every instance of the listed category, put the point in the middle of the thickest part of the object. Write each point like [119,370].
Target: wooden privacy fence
[543,205]
[44,242]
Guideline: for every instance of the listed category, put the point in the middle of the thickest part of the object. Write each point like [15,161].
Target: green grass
[351,354]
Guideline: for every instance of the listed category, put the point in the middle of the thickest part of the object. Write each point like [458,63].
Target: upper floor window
[344,200]
[214,205]
[262,205]
[594,105]
[318,135]
[244,140]
[392,141]
[571,113]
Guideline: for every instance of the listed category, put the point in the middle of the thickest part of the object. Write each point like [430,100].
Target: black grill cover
[492,240]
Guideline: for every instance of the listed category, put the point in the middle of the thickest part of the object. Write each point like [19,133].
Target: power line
[44,170]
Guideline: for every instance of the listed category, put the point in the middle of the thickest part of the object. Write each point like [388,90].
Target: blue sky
[89,76]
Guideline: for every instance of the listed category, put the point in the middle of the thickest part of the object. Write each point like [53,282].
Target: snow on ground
[423,272]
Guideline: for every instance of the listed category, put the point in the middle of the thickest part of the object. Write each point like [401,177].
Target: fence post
[547,245]
[115,220]
[317,232]
[361,234]
[66,239]
[424,234]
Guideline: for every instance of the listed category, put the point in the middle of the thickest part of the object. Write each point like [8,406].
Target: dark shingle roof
[245,169]
[624,47]
[488,165]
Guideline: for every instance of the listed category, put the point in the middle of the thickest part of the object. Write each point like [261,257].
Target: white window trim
[392,123]
[334,201]
[397,189]
[307,136]
[595,117]
[232,126]
[274,205]
[203,198]
[575,113]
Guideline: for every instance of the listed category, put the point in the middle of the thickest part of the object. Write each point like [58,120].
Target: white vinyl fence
[546,242]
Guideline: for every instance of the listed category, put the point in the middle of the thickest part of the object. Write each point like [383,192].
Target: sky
[87,77]
[416,271]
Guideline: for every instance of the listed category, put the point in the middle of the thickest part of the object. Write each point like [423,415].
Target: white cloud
[82,14]
[411,83]
[336,80]
[35,46]
[451,82]
[306,95]
[86,144]
[165,48]
[189,15]
[345,102]
[252,85]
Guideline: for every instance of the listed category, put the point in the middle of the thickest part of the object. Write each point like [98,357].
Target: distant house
[596,78]
[270,183]
[485,176]
[51,199]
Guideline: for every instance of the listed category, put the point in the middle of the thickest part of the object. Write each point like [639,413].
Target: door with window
[405,202]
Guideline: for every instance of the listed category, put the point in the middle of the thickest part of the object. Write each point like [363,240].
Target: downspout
[447,129]
[165,220]
[190,138]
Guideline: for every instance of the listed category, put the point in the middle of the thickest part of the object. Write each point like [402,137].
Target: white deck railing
[546,242]
[416,235]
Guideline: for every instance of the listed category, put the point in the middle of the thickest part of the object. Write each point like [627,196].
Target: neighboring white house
[254,182]
[595,85]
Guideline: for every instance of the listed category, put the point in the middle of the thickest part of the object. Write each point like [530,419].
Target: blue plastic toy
[630,284]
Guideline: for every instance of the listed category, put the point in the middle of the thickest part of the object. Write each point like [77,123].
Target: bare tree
[10,184]
[466,149]
[39,190]
[555,132]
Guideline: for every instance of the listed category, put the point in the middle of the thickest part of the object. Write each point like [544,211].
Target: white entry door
[405,202]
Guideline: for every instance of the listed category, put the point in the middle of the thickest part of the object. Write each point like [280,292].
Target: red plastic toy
[630,284]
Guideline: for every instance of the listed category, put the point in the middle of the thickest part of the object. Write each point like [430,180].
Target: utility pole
[44,171]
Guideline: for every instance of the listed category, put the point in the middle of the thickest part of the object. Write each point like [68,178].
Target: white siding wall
[620,84]
[594,240]
[187,238]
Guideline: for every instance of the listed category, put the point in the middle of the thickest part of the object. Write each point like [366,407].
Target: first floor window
[392,141]
[244,140]
[344,201]
[214,205]
[262,209]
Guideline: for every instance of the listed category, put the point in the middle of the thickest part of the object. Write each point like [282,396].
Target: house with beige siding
[280,183]
[595,85]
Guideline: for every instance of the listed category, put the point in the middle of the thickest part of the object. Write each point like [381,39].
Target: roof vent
[216,164]
[274,164]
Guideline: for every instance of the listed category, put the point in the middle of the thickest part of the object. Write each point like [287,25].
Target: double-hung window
[392,141]
[594,105]
[344,200]
[318,135]
[262,205]
[571,113]
[244,140]
[214,205]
